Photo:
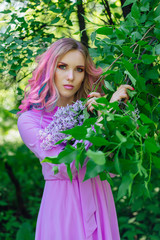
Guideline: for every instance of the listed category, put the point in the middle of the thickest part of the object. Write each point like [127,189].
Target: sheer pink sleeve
[29,124]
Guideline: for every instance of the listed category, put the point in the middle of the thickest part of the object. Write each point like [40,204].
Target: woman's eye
[80,69]
[63,67]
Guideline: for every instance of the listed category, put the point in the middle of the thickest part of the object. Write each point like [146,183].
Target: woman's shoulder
[35,117]
[29,116]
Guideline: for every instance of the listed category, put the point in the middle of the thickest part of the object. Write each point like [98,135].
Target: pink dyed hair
[43,92]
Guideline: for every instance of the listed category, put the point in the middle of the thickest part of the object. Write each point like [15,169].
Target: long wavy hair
[42,91]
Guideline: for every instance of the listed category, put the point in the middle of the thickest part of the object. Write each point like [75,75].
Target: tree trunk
[14,180]
[81,20]
[126,10]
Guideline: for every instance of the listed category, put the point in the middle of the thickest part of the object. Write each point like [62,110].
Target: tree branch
[107,8]
[131,47]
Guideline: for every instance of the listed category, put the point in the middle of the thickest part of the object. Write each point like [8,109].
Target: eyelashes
[80,69]
[64,67]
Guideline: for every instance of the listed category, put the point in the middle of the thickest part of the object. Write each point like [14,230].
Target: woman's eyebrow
[67,64]
[63,63]
[80,66]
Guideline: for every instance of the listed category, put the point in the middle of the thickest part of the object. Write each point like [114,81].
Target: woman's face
[69,76]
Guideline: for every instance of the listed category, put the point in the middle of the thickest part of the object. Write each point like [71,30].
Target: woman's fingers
[121,93]
[94,94]
[92,100]
[126,86]
[89,104]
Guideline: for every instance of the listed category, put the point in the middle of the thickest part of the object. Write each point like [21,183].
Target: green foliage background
[128,51]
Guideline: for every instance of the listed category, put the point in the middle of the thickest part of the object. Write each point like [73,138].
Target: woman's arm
[29,125]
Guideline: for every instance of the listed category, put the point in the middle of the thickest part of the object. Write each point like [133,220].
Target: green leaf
[157,33]
[80,158]
[93,170]
[133,80]
[125,186]
[145,119]
[142,43]
[148,59]
[135,13]
[90,121]
[98,141]
[24,233]
[14,111]
[136,36]
[55,169]
[56,10]
[77,161]
[120,136]
[102,100]
[55,20]
[128,51]
[152,74]
[108,86]
[69,171]
[50,159]
[142,170]
[143,130]
[120,33]
[127,2]
[9,39]
[13,73]
[157,19]
[106,176]
[105,30]
[67,156]
[2,58]
[93,36]
[46,1]
[131,94]
[157,49]
[86,114]
[156,161]
[98,157]
[86,18]
[157,10]
[151,145]
[78,132]
[145,7]
[117,163]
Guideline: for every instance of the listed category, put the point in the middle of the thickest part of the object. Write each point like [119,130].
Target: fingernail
[133,88]
[88,95]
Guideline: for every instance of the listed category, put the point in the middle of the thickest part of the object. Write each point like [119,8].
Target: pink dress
[69,211]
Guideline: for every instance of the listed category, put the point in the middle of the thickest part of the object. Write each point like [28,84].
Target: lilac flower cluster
[64,118]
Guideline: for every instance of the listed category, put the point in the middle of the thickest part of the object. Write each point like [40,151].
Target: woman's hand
[121,93]
[92,96]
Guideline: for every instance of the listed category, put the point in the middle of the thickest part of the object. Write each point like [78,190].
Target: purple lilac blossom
[64,118]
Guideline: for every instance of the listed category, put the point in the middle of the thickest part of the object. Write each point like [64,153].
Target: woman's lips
[69,87]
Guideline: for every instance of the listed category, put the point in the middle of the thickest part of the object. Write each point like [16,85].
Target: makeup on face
[69,76]
[65,66]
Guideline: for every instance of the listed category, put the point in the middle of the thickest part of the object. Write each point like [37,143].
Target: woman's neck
[64,102]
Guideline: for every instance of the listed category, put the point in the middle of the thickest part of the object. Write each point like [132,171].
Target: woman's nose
[70,74]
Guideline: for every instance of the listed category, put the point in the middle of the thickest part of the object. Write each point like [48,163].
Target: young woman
[69,211]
